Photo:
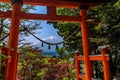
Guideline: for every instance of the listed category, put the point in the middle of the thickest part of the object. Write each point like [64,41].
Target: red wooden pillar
[86,43]
[77,65]
[106,67]
[13,41]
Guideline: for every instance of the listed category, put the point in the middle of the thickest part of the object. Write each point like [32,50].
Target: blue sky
[47,33]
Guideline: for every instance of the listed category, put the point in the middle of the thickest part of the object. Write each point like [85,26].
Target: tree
[106,32]
[5,23]
[32,64]
[24,24]
[109,30]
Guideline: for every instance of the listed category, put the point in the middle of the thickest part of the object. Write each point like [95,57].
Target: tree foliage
[32,65]
[106,32]
[5,23]
[109,30]
[5,31]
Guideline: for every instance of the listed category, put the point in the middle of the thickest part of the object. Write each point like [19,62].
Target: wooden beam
[7,14]
[82,77]
[80,58]
[48,17]
[77,65]
[13,42]
[57,3]
[43,17]
[93,57]
[98,57]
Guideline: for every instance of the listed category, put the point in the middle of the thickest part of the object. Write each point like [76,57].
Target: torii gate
[16,14]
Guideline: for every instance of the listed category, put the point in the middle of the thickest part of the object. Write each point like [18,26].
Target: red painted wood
[86,45]
[106,67]
[77,65]
[57,3]
[13,42]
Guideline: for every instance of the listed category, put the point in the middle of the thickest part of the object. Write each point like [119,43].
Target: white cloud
[50,38]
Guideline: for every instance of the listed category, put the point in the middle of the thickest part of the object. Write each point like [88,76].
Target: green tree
[24,24]
[32,64]
[5,23]
[108,30]
[105,33]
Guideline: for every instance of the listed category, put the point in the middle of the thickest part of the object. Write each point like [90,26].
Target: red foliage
[58,71]
[55,61]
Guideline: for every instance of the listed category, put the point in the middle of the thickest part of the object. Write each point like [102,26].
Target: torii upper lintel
[59,3]
[90,1]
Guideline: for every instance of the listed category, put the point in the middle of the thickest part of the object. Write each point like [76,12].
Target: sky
[47,33]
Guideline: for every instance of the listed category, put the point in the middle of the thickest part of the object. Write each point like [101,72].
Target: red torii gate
[16,14]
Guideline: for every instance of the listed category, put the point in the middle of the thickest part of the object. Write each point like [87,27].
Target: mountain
[49,49]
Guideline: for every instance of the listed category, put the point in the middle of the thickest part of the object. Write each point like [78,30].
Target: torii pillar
[86,42]
[11,69]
